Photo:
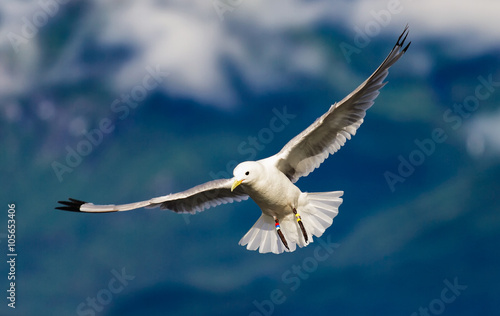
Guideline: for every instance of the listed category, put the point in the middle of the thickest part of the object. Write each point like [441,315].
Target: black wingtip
[402,38]
[73,205]
[406,48]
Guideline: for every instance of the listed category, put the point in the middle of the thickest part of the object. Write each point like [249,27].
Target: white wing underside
[305,152]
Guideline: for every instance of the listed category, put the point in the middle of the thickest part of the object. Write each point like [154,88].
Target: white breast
[275,194]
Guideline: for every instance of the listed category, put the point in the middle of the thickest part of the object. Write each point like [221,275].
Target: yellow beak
[235,184]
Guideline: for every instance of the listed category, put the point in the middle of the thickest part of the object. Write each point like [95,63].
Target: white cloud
[19,54]
[257,39]
[483,134]
[193,45]
[467,27]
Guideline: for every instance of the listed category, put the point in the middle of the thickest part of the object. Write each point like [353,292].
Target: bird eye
[247,173]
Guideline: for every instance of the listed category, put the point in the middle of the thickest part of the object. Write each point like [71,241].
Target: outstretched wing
[194,200]
[328,133]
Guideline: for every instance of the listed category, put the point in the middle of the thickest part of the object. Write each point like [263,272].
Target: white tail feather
[317,211]
[263,236]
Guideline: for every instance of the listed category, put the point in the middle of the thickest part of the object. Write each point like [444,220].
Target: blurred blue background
[122,101]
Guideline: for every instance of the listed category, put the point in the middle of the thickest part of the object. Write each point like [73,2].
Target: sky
[169,95]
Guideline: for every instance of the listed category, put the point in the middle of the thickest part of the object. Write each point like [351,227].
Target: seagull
[289,217]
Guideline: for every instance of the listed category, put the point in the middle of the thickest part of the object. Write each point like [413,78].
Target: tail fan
[263,236]
[317,211]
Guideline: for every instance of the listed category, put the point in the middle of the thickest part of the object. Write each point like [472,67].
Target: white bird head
[246,172]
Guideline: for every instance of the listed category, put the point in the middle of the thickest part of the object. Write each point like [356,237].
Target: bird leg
[278,230]
[299,221]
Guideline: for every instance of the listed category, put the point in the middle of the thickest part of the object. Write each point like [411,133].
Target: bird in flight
[289,217]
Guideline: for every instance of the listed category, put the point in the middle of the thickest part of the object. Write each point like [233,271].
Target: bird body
[289,217]
[278,198]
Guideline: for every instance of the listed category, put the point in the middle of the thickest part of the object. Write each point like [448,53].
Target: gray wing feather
[194,200]
[328,133]
[201,197]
